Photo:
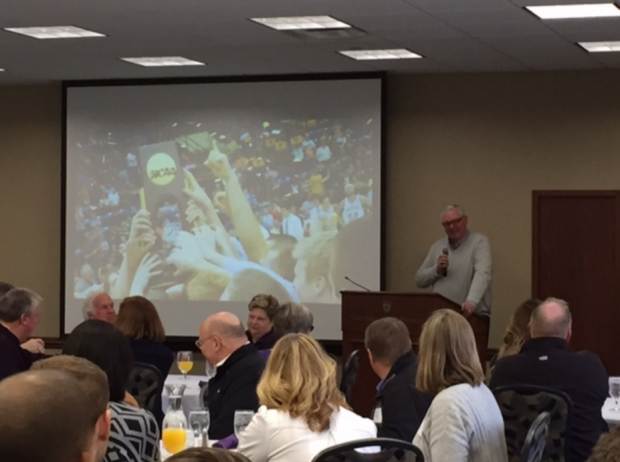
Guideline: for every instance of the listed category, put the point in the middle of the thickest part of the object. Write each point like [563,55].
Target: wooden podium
[359,309]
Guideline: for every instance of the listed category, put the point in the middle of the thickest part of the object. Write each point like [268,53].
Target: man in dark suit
[545,361]
[19,316]
[238,369]
[399,407]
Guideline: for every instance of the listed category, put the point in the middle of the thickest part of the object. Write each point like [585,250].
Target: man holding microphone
[459,265]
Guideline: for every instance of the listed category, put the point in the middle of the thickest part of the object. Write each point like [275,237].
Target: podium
[359,309]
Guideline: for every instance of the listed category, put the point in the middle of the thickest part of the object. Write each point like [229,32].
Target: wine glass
[199,422]
[243,417]
[185,362]
[614,391]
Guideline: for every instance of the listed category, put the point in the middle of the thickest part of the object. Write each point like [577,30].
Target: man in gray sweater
[459,265]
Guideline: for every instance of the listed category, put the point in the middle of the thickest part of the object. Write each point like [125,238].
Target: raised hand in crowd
[149,266]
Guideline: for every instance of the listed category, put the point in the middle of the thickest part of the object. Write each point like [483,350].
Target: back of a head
[387,339]
[227,325]
[17,302]
[300,379]
[551,318]
[4,288]
[105,346]
[292,318]
[448,354]
[518,331]
[207,455]
[45,416]
[138,319]
[608,447]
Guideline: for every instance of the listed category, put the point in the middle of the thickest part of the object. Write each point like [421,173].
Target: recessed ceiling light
[163,61]
[600,47]
[594,10]
[56,32]
[362,55]
[302,22]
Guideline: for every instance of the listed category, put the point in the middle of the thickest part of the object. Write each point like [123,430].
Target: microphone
[356,284]
[445,252]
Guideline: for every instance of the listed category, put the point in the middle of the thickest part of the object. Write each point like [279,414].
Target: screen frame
[188,341]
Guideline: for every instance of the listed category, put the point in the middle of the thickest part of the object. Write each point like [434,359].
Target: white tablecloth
[611,417]
[191,395]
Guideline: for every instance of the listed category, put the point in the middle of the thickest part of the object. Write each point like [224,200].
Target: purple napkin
[230,442]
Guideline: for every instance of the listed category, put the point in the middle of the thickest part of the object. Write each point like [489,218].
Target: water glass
[242,420]
[199,421]
[614,391]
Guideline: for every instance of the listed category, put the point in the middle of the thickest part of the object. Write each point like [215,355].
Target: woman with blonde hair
[464,423]
[302,411]
[518,331]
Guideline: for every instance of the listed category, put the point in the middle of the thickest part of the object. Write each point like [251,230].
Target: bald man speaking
[238,366]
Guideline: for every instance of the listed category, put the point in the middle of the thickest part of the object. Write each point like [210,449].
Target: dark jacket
[546,362]
[233,388]
[13,358]
[399,407]
[156,354]
[266,342]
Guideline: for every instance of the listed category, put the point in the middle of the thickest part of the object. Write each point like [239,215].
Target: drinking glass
[242,419]
[185,362]
[199,422]
[614,391]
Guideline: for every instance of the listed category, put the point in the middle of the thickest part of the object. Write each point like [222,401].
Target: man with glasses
[238,366]
[459,265]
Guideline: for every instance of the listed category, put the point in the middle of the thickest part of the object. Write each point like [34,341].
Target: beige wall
[484,141]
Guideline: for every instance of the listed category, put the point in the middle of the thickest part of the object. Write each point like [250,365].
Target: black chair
[521,405]
[146,384]
[349,374]
[376,450]
[536,439]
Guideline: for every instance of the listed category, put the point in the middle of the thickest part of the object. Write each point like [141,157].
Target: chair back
[371,450]
[146,384]
[536,439]
[521,405]
[349,374]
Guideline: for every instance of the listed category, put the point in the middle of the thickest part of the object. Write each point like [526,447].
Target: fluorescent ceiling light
[302,22]
[600,47]
[362,55]
[594,10]
[163,61]
[56,32]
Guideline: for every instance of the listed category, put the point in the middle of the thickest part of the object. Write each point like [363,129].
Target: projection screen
[200,195]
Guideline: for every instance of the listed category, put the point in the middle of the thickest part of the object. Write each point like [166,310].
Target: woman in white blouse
[302,411]
[464,423]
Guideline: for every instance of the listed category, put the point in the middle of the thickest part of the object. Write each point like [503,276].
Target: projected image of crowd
[273,209]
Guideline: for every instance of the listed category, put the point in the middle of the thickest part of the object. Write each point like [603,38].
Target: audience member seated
[302,411]
[207,455]
[463,423]
[99,305]
[518,331]
[19,317]
[399,407]
[134,431]
[4,288]
[262,308]
[238,366]
[608,447]
[545,361]
[49,416]
[139,321]
[292,318]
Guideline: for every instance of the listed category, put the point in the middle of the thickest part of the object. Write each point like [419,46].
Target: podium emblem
[387,306]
